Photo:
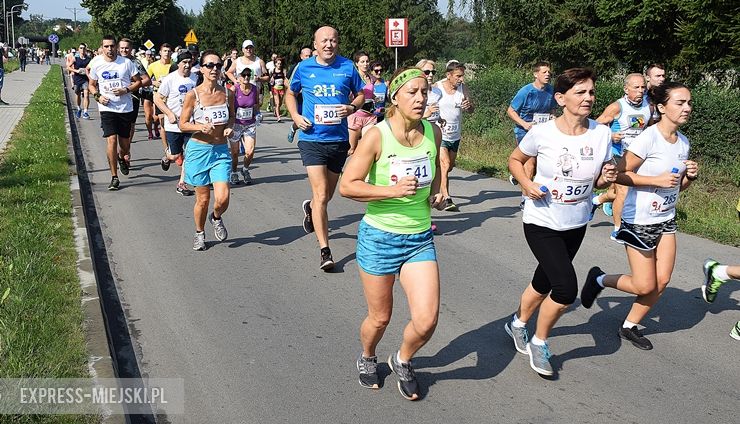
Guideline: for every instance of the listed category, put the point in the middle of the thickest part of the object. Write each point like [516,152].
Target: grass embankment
[707,209]
[12,65]
[41,321]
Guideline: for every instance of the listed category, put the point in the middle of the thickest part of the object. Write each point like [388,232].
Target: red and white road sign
[396,32]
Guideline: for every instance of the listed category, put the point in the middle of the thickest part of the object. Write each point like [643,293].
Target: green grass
[706,209]
[12,65]
[41,320]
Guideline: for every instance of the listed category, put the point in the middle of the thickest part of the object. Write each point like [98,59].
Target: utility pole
[74,12]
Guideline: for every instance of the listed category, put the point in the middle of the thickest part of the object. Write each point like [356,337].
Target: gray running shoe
[246,176]
[539,359]
[368,369]
[199,241]
[520,336]
[219,230]
[234,179]
[407,384]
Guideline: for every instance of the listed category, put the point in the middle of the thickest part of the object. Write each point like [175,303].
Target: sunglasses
[429,72]
[378,70]
[211,65]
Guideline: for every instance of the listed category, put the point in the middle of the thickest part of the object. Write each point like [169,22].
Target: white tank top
[632,120]
[451,111]
[254,66]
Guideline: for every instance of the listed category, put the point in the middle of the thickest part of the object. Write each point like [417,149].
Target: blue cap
[674,171]
[543,189]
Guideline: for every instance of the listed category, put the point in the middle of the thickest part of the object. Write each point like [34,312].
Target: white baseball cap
[247,43]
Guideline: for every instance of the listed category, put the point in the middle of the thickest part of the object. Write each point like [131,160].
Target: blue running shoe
[78,113]
[607,208]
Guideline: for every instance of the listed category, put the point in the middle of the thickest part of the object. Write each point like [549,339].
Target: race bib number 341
[419,167]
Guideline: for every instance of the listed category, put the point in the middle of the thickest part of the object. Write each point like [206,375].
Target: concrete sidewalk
[17,90]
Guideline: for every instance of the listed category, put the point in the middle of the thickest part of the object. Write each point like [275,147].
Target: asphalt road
[260,334]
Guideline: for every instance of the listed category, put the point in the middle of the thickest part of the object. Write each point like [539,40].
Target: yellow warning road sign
[191,38]
[148,44]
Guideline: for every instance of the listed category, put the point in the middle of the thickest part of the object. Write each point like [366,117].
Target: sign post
[191,38]
[53,39]
[396,34]
[148,44]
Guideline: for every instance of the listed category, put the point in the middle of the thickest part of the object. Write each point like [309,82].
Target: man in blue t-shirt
[79,77]
[533,104]
[326,82]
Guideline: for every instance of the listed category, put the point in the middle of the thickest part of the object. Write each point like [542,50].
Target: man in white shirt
[112,79]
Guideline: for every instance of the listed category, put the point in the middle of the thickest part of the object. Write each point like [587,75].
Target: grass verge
[12,65]
[41,320]
[706,209]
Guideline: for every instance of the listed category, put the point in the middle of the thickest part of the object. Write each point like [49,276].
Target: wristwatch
[354,108]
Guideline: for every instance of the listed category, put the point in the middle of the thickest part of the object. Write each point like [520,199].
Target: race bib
[379,97]
[107,86]
[244,113]
[279,83]
[566,190]
[540,118]
[420,167]
[664,201]
[451,128]
[327,114]
[217,115]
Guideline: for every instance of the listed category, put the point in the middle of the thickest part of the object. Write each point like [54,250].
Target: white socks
[720,271]
[595,200]
[600,280]
[628,324]
[516,322]
[398,358]
[537,341]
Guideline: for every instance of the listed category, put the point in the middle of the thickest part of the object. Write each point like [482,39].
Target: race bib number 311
[327,114]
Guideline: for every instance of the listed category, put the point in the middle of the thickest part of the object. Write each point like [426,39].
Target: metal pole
[396,58]
[5,21]
[12,21]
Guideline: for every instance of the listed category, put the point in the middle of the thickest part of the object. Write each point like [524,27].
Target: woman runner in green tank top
[398,158]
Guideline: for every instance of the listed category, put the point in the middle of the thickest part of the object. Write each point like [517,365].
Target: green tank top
[410,214]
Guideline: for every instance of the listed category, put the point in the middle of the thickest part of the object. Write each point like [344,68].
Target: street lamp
[25,7]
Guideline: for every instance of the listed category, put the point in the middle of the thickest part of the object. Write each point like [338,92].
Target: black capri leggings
[555,251]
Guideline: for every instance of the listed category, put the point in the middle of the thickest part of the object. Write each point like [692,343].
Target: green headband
[403,78]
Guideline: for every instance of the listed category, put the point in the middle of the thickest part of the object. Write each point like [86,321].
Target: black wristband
[354,108]
[692,178]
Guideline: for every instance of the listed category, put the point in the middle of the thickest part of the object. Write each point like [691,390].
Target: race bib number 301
[420,167]
[327,114]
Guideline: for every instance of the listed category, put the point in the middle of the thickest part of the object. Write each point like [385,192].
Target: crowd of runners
[401,137]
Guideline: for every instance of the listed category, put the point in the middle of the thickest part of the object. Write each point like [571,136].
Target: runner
[208,114]
[112,79]
[557,208]
[431,113]
[80,80]
[158,70]
[3,59]
[23,57]
[125,49]
[227,65]
[455,99]
[380,90]
[169,99]
[277,84]
[656,168]
[245,129]
[716,274]
[654,77]
[305,54]
[628,117]
[363,119]
[69,58]
[147,95]
[253,62]
[326,82]
[533,104]
[270,66]
[399,159]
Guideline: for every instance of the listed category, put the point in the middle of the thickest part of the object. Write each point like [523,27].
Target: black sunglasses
[378,70]
[211,65]
[429,72]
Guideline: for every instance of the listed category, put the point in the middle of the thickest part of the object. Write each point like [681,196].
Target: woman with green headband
[398,157]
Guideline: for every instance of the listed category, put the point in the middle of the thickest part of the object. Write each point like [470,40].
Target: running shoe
[450,206]
[513,180]
[291,134]
[124,165]
[519,335]
[247,177]
[634,336]
[407,384]
[591,288]
[78,113]
[593,207]
[521,204]
[368,369]
[327,262]
[219,230]
[4,103]
[613,236]
[164,163]
[114,183]
[86,115]
[183,190]
[307,222]
[434,227]
[157,134]
[234,178]
[711,283]
[608,209]
[150,136]
[539,358]
[735,332]
[199,241]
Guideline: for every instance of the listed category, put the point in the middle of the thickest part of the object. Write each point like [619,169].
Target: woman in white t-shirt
[573,155]
[656,168]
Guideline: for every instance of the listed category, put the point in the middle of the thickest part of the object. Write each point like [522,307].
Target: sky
[56,8]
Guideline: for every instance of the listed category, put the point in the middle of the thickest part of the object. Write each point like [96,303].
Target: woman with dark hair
[394,170]
[278,79]
[380,89]
[208,113]
[656,168]
[244,136]
[363,119]
[558,207]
